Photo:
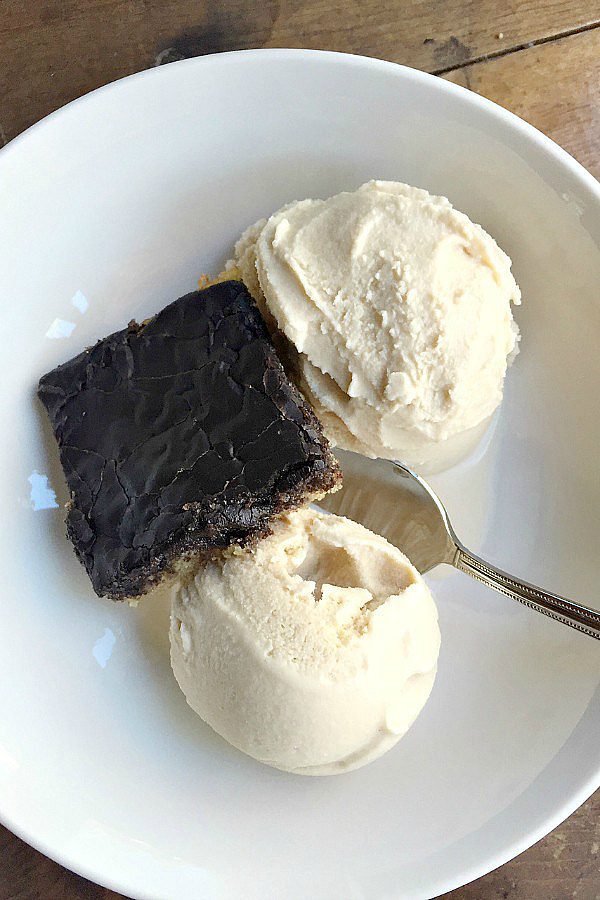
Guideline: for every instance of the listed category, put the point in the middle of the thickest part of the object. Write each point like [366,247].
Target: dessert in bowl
[133,194]
[304,639]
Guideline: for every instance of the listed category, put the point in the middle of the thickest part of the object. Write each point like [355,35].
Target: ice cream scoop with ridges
[315,652]
[397,313]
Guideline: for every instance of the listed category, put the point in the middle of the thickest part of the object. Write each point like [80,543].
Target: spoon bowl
[393,501]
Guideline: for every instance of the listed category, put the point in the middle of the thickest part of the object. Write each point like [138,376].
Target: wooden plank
[555,86]
[53,51]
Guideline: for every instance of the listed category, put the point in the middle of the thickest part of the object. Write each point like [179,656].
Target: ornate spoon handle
[573,614]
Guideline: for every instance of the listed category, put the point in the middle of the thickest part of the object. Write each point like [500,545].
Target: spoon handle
[574,614]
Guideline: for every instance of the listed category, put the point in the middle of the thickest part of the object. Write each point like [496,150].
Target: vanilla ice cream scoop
[313,653]
[397,312]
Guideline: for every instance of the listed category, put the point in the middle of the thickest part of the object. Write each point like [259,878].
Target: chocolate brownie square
[180,437]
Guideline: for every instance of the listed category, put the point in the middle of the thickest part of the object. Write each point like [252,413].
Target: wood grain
[52,51]
[555,86]
[56,50]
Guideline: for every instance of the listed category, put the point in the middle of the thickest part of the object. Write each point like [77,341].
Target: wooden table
[539,58]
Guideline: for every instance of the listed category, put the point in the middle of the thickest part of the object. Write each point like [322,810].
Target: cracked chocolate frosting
[179,437]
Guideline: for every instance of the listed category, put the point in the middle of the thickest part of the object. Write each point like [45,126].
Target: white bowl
[119,202]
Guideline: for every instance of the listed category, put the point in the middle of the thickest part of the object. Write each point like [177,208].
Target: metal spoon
[393,501]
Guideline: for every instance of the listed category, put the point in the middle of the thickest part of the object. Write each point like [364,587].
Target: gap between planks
[498,54]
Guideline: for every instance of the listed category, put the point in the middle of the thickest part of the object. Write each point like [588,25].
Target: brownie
[179,437]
